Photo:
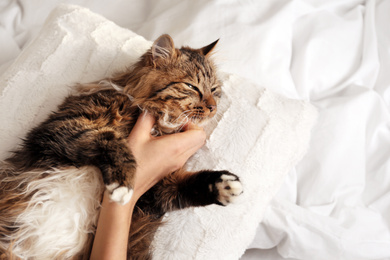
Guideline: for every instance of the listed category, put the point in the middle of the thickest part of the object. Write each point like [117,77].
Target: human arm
[156,157]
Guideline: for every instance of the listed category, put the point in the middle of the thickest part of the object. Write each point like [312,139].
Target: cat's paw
[119,194]
[228,187]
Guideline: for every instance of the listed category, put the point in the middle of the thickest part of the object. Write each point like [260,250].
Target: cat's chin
[162,127]
[168,127]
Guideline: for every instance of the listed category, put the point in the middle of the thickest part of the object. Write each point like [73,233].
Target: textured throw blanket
[257,135]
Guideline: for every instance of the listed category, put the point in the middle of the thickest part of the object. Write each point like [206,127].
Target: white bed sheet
[335,204]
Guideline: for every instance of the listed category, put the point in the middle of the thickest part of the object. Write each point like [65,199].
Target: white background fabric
[336,203]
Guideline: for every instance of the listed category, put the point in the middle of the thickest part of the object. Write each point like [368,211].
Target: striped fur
[52,185]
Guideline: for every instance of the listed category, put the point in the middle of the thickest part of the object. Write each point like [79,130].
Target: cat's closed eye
[195,88]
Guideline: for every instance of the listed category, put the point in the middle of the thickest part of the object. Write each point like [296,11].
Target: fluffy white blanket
[259,135]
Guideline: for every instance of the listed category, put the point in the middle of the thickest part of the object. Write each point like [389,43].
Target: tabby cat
[90,129]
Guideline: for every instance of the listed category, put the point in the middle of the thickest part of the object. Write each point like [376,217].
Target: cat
[91,127]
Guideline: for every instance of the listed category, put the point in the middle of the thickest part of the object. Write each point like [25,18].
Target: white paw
[228,189]
[120,195]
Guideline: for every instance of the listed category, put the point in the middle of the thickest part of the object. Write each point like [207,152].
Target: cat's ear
[207,50]
[163,47]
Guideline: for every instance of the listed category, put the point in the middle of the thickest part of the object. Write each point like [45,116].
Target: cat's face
[178,85]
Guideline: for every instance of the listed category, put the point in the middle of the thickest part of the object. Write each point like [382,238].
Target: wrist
[144,180]
[113,229]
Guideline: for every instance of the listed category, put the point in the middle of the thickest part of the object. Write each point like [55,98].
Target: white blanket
[336,53]
[259,135]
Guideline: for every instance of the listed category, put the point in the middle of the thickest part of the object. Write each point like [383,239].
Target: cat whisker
[186,119]
[182,114]
[180,128]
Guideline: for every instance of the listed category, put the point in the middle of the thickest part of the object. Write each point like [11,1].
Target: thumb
[189,141]
[144,125]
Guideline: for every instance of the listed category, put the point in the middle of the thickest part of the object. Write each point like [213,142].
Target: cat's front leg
[107,149]
[183,189]
[118,175]
[208,187]
[227,187]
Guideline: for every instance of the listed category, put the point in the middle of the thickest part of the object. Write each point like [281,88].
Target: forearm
[112,232]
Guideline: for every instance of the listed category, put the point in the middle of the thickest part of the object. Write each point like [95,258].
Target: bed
[333,201]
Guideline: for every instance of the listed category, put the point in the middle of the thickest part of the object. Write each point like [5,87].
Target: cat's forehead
[193,56]
[197,66]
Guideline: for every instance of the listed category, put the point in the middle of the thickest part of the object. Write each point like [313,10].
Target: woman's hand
[156,157]
[159,156]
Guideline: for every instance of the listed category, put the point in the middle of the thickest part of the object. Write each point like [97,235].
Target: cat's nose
[211,107]
[210,104]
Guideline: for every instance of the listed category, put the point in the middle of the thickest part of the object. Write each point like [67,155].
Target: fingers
[193,137]
[191,126]
[188,142]
[196,144]
[194,134]
[143,125]
[182,145]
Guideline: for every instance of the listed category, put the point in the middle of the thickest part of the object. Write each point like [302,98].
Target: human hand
[158,156]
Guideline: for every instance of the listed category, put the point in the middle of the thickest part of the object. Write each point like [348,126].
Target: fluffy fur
[49,214]
[54,172]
